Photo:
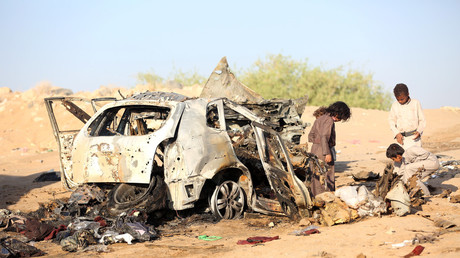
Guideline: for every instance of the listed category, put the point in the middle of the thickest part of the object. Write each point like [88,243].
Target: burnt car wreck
[157,150]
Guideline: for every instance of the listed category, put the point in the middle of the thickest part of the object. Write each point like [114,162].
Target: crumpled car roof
[159,96]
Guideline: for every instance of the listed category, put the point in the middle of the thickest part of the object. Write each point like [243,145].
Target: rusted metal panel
[284,115]
[65,139]
[65,151]
[267,206]
[222,83]
[76,111]
[127,159]
[184,193]
[279,170]
[199,144]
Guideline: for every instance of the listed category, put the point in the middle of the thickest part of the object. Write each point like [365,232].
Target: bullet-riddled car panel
[200,149]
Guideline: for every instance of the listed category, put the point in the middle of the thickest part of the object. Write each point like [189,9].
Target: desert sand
[29,149]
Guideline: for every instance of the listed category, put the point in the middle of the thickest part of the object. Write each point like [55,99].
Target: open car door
[279,171]
[66,125]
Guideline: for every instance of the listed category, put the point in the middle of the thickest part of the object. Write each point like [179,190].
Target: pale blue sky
[82,45]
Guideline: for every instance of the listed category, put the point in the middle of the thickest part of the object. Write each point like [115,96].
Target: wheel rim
[227,201]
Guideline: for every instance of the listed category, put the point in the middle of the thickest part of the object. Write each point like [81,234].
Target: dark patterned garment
[322,135]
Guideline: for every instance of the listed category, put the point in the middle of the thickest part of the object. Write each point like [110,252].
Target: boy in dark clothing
[322,135]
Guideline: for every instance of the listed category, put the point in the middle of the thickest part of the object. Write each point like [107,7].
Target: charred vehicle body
[160,150]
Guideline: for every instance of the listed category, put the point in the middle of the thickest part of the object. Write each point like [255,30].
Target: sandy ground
[29,149]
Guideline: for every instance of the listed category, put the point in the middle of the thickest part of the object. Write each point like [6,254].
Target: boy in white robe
[406,118]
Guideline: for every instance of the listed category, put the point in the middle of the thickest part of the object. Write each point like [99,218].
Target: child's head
[401,93]
[339,110]
[395,152]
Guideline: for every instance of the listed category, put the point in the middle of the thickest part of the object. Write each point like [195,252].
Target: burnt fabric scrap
[139,231]
[417,251]
[257,240]
[36,230]
[306,231]
[11,247]
[78,241]
[132,223]
[55,232]
[309,232]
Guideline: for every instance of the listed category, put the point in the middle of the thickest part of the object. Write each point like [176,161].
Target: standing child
[322,135]
[406,118]
[412,160]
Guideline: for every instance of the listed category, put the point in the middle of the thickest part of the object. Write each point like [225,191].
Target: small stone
[304,222]
[455,198]
[391,231]
[325,197]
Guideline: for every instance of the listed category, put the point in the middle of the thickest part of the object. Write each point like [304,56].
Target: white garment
[415,158]
[406,118]
[409,142]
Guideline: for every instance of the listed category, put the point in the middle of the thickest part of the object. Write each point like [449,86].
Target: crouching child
[411,161]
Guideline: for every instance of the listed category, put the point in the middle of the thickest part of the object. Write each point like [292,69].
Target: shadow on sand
[13,188]
[342,166]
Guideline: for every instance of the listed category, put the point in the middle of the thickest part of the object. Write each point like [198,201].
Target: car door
[279,171]
[67,116]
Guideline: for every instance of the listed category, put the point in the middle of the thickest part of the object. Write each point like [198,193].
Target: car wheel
[150,197]
[227,201]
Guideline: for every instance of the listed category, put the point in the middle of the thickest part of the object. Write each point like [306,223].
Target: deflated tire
[150,197]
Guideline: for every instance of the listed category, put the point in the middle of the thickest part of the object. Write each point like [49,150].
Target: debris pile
[400,196]
[347,204]
[390,195]
[80,224]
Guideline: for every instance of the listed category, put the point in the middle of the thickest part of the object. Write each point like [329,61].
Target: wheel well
[227,174]
[223,175]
